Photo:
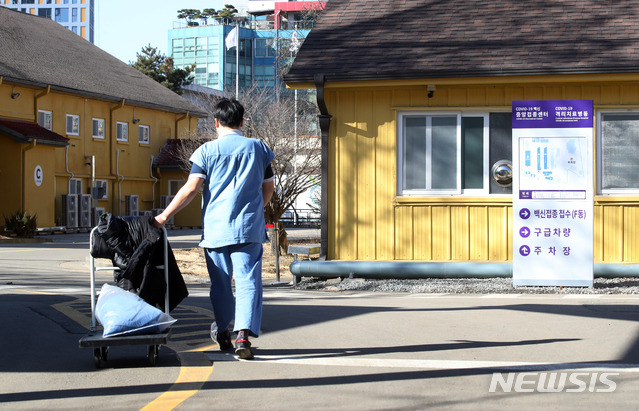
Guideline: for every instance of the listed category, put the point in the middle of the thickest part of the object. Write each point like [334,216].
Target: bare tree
[287,127]
[285,120]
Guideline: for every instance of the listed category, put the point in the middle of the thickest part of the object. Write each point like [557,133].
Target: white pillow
[123,313]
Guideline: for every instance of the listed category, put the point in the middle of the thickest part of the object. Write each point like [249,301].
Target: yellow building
[416,110]
[79,129]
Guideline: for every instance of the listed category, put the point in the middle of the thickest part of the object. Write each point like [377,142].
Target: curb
[24,240]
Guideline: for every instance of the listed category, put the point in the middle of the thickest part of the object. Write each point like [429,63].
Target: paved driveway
[318,349]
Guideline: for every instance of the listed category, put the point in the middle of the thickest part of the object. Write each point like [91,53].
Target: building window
[62,15]
[101,189]
[75,186]
[143,134]
[177,47]
[44,12]
[98,128]
[174,186]
[73,124]
[265,76]
[264,47]
[618,147]
[74,15]
[122,133]
[442,153]
[45,119]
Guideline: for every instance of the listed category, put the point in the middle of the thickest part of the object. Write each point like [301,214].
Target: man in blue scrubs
[237,180]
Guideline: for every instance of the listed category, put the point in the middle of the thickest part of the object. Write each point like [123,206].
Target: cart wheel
[105,353]
[153,354]
[97,357]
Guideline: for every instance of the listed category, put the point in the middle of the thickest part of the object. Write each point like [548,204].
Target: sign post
[553,193]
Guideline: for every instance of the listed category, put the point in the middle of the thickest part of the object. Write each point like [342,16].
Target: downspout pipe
[325,123]
[186,116]
[120,180]
[45,92]
[419,270]
[113,165]
[155,181]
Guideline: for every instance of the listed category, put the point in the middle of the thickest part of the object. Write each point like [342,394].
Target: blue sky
[123,27]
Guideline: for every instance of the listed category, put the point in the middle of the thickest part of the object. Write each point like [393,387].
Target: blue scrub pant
[243,263]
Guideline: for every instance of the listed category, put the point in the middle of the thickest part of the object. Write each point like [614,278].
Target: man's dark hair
[229,112]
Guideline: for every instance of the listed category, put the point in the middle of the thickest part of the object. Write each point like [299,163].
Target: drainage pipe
[325,123]
[418,270]
[155,181]
[120,180]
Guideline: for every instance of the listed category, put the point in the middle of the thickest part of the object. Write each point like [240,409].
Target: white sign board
[553,193]
[37,176]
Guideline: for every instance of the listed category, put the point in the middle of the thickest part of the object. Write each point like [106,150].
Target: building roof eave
[28,131]
[84,93]
[298,78]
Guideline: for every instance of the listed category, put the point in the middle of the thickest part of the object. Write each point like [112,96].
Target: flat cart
[94,339]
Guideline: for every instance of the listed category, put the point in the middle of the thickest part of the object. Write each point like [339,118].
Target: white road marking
[427,364]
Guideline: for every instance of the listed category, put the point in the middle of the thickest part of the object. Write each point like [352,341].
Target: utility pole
[237,60]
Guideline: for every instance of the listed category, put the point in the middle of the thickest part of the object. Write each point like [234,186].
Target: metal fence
[301,218]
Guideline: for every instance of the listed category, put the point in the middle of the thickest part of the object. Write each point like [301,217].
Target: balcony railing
[249,24]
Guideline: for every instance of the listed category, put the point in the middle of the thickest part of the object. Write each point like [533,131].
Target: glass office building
[76,15]
[265,38]
[216,65]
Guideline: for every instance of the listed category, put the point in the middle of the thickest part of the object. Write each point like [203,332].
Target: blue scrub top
[232,205]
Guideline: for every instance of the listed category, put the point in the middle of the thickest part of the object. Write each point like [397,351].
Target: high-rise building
[267,37]
[76,15]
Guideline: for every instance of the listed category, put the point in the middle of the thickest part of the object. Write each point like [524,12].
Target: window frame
[98,136]
[61,15]
[75,183]
[599,161]
[459,190]
[74,131]
[485,156]
[122,128]
[105,184]
[44,123]
[148,134]
[175,183]
[266,47]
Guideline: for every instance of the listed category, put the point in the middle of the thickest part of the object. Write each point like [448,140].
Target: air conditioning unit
[70,210]
[85,210]
[131,204]
[146,213]
[165,200]
[85,202]
[85,219]
[97,213]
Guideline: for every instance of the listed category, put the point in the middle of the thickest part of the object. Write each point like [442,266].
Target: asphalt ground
[352,350]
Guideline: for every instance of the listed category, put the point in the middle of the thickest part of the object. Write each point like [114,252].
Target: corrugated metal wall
[367,221]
